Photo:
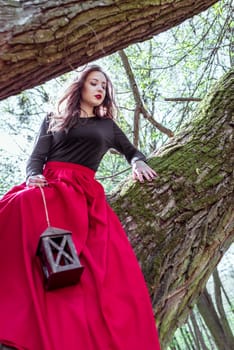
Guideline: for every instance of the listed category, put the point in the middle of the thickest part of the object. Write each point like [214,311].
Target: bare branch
[137,96]
[136,127]
[182,99]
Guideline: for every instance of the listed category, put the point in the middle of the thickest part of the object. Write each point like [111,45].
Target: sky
[11,144]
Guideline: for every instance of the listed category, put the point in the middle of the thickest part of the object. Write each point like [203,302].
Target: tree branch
[136,127]
[44,39]
[137,97]
[182,99]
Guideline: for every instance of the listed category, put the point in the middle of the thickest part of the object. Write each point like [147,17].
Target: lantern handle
[45,205]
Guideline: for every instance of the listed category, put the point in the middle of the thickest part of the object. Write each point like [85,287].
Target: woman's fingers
[142,171]
[36,180]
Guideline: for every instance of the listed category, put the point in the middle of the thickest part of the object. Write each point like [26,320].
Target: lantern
[59,260]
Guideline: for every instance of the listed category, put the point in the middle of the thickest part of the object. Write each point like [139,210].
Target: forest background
[169,75]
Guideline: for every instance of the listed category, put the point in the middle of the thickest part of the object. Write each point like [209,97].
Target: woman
[109,309]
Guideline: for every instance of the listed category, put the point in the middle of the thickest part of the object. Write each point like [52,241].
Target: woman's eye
[93,84]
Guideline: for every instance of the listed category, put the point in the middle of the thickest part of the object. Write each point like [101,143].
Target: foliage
[10,170]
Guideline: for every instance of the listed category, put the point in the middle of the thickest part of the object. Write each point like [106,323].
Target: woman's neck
[88,113]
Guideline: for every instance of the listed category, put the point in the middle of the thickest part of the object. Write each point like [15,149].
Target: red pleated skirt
[109,309]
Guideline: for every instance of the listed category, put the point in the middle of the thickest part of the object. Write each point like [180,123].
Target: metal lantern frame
[59,260]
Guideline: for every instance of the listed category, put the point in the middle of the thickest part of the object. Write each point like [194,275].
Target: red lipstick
[98,96]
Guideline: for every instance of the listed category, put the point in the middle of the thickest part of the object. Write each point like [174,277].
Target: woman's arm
[140,170]
[37,159]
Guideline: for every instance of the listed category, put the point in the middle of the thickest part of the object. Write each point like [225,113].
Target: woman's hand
[141,171]
[36,180]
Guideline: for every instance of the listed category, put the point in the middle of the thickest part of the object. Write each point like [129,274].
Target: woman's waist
[58,165]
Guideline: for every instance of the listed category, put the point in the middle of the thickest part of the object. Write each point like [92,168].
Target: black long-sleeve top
[84,144]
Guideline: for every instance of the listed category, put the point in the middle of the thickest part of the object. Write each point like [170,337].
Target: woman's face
[94,91]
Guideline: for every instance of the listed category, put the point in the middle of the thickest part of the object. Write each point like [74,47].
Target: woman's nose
[100,88]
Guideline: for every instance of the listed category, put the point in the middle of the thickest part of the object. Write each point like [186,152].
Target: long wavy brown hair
[68,106]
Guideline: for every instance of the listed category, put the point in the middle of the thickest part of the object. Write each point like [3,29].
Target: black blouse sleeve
[124,146]
[40,151]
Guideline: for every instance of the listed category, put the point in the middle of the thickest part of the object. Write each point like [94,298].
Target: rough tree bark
[181,224]
[41,39]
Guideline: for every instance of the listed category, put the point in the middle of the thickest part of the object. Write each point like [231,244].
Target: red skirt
[109,309]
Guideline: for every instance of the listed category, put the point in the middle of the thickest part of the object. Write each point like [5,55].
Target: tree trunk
[205,331]
[198,333]
[220,307]
[186,335]
[181,224]
[193,335]
[41,40]
[213,322]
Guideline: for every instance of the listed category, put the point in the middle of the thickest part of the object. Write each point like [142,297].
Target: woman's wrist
[136,159]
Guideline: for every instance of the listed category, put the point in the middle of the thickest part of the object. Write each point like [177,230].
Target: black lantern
[59,260]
